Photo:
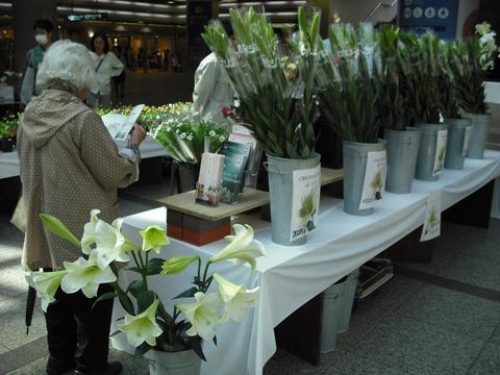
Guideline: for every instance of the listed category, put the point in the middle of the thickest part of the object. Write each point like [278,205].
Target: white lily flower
[483,28]
[88,238]
[242,248]
[46,285]
[154,237]
[236,299]
[86,275]
[204,315]
[109,243]
[142,327]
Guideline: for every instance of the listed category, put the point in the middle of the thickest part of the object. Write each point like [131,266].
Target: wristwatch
[135,149]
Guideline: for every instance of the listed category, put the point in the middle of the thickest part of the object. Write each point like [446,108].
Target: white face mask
[41,39]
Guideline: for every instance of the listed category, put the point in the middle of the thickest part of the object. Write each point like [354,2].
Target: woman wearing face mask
[107,66]
[70,165]
[43,35]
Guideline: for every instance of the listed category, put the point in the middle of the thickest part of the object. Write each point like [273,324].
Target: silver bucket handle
[276,170]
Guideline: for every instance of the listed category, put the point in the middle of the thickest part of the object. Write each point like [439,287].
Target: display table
[9,162]
[201,224]
[290,276]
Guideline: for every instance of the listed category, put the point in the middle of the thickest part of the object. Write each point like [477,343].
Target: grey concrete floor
[438,318]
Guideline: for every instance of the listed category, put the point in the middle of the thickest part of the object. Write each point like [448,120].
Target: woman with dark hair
[44,30]
[107,66]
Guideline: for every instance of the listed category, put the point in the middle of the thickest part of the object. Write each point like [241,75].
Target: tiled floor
[441,318]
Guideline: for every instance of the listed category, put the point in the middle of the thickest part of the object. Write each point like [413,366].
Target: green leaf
[136,287]
[198,349]
[126,303]
[115,333]
[59,229]
[105,296]
[144,300]
[188,293]
[141,350]
[153,267]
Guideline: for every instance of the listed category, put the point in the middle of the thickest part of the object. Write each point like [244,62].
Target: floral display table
[9,162]
[291,276]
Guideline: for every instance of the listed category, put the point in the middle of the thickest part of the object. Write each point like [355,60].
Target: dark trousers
[78,333]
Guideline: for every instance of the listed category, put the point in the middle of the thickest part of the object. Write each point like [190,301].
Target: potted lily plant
[459,128]
[403,141]
[348,92]
[277,107]
[470,62]
[421,88]
[167,333]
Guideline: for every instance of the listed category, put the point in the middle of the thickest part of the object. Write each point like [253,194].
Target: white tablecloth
[493,92]
[290,276]
[9,162]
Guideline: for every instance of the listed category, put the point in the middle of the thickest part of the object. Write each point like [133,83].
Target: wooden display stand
[200,224]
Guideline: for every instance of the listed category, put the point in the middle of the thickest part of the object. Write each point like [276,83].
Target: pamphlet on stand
[119,126]
[305,204]
[233,177]
[242,135]
[210,178]
[374,183]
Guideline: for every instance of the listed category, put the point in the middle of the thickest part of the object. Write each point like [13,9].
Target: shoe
[58,367]
[113,368]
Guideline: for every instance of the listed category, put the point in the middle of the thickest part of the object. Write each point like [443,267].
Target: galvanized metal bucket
[455,156]
[479,134]
[280,173]
[427,152]
[337,308]
[402,153]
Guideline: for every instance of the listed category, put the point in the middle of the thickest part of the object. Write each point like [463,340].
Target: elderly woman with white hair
[69,166]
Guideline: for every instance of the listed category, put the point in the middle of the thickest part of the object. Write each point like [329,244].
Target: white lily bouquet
[470,60]
[276,95]
[186,138]
[346,84]
[147,323]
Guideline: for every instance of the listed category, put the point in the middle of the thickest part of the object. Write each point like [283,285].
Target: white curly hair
[68,64]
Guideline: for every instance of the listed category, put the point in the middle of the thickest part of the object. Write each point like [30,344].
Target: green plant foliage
[347,87]
[469,76]
[279,111]
[393,106]
[185,138]
[9,124]
[420,76]
[448,90]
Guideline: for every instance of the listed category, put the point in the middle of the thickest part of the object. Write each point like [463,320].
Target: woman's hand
[138,135]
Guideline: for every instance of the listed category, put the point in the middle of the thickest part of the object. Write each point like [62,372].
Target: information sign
[440,16]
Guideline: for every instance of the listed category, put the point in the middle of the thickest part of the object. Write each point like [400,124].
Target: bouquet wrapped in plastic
[346,82]
[276,98]
[186,139]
